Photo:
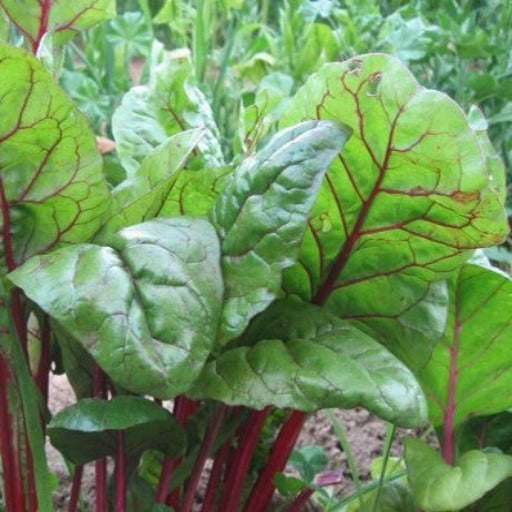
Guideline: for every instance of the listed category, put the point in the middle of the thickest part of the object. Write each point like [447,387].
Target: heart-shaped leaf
[87,430]
[261,216]
[147,309]
[50,170]
[315,361]
[439,487]
[470,372]
[410,195]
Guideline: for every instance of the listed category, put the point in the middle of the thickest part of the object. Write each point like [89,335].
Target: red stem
[100,466]
[75,488]
[46,6]
[448,448]
[263,489]
[6,438]
[120,474]
[300,501]
[204,451]
[210,495]
[14,488]
[242,456]
[183,409]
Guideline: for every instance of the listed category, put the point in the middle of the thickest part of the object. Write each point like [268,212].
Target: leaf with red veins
[470,372]
[411,194]
[50,170]
[34,18]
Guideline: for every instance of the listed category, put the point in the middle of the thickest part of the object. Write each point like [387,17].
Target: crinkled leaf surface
[169,104]
[470,372]
[87,430]
[143,195]
[439,487]
[50,169]
[146,308]
[63,16]
[195,192]
[312,360]
[261,216]
[409,195]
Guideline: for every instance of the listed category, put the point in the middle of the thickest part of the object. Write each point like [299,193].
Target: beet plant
[334,264]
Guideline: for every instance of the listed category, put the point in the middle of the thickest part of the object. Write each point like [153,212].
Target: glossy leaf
[50,169]
[62,16]
[169,104]
[439,487]
[146,309]
[261,216]
[407,199]
[142,196]
[470,373]
[87,430]
[307,359]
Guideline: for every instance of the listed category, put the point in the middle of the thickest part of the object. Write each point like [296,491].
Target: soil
[365,433]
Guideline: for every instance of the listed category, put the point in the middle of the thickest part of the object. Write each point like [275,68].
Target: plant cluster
[329,256]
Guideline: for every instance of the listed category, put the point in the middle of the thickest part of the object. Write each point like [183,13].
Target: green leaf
[470,372]
[258,118]
[50,169]
[195,192]
[261,216]
[146,309]
[87,430]
[64,17]
[407,199]
[142,195]
[24,404]
[487,431]
[131,31]
[288,485]
[77,362]
[393,497]
[308,359]
[169,104]
[497,500]
[308,461]
[439,487]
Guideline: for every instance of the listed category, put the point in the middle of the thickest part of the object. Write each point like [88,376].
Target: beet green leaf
[195,192]
[470,372]
[143,195]
[34,18]
[439,487]
[87,430]
[51,180]
[169,104]
[146,308]
[306,358]
[410,195]
[261,216]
